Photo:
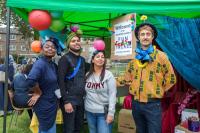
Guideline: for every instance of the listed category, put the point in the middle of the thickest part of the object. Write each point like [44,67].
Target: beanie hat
[74,32]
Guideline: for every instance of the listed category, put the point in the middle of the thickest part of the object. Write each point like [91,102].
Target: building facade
[18,45]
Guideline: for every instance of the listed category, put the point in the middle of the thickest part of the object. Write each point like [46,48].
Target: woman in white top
[100,95]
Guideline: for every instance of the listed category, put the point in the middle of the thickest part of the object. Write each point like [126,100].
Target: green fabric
[23,14]
[84,12]
[120,6]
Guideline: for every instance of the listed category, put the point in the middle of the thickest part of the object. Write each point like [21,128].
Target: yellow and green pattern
[152,80]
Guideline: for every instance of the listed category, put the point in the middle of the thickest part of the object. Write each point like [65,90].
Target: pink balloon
[99,44]
[74,28]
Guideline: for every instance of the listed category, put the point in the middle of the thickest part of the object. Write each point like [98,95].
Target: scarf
[144,55]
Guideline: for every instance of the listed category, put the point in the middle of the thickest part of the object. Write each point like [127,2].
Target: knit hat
[74,31]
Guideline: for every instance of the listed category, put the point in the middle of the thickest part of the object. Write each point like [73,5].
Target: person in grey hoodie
[100,97]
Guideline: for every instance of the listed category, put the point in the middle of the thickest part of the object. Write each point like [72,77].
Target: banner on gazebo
[123,41]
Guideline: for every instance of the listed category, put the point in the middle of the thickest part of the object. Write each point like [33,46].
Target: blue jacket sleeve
[35,74]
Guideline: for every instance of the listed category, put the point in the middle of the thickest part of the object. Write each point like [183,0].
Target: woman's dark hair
[27,68]
[92,66]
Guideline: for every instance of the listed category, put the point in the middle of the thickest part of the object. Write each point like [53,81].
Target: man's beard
[75,50]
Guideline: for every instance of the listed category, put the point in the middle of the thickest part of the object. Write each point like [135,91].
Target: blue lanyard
[75,70]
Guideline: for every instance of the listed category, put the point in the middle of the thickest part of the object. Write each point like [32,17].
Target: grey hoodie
[100,93]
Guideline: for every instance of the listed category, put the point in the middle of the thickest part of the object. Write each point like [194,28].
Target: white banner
[123,38]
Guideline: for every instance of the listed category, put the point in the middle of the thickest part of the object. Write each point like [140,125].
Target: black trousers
[73,122]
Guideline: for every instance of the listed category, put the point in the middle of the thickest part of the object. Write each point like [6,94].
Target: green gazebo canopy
[95,17]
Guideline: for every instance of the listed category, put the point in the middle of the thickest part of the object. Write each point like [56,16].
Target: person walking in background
[71,74]
[100,97]
[43,76]
[149,75]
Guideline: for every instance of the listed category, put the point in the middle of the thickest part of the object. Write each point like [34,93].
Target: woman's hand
[35,96]
[68,108]
[32,101]
[109,119]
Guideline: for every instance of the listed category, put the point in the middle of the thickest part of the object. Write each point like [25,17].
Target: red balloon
[36,46]
[39,19]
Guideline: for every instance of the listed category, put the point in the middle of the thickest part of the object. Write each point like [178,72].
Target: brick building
[18,45]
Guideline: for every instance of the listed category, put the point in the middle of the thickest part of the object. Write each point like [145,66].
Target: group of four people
[149,75]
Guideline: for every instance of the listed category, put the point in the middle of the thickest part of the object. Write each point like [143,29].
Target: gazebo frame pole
[6,70]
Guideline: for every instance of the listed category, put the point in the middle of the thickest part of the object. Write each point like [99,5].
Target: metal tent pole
[6,64]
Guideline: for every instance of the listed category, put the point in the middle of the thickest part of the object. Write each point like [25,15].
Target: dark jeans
[147,116]
[73,121]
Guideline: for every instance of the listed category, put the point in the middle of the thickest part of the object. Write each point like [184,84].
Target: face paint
[145,37]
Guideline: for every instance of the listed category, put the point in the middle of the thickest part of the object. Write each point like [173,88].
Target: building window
[23,48]
[12,37]
[12,48]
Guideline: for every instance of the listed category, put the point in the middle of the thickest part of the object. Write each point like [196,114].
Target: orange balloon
[36,46]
